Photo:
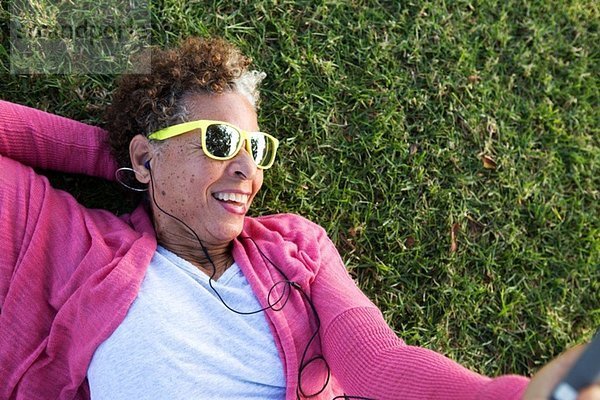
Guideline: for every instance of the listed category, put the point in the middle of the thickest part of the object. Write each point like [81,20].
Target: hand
[547,378]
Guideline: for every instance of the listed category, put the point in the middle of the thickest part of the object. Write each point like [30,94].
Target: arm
[368,359]
[48,141]
[37,231]
[12,221]
[59,264]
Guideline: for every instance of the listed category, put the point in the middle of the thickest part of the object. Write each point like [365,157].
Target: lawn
[450,149]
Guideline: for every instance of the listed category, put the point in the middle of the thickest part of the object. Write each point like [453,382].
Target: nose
[243,165]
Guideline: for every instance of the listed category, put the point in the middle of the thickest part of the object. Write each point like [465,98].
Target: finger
[590,393]
[565,361]
[546,379]
[571,355]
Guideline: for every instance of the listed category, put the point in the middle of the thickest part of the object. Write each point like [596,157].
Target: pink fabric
[68,275]
[44,140]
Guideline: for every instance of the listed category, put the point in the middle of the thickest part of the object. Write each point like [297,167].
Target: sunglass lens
[263,149]
[221,140]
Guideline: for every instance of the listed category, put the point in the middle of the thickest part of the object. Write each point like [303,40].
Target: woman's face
[210,196]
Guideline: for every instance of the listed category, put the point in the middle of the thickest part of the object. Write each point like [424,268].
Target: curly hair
[145,103]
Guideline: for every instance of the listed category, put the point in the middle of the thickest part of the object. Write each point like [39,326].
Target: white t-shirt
[178,340]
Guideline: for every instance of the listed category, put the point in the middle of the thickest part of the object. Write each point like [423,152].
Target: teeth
[236,197]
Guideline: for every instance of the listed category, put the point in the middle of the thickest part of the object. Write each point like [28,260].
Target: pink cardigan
[68,275]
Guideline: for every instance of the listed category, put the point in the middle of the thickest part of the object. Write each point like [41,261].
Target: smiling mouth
[232,198]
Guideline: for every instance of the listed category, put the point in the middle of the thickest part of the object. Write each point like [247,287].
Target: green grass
[385,110]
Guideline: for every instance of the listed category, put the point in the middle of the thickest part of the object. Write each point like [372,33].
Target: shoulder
[20,183]
[289,227]
[284,223]
[288,239]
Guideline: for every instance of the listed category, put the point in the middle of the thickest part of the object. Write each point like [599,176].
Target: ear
[140,151]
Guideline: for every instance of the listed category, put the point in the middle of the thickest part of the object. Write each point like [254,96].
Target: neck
[212,261]
[212,258]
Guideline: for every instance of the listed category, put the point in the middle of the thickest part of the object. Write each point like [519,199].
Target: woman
[188,297]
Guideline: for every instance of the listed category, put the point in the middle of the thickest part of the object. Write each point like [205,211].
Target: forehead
[233,108]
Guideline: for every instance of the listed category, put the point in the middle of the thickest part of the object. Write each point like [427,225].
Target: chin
[231,231]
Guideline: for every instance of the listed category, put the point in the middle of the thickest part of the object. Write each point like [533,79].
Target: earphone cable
[303,364]
[214,268]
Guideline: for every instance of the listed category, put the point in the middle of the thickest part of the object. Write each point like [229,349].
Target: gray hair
[247,84]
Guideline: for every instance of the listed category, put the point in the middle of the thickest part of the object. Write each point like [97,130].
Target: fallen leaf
[412,150]
[488,162]
[355,231]
[474,78]
[453,234]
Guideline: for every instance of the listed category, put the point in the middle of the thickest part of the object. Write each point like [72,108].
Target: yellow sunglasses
[223,141]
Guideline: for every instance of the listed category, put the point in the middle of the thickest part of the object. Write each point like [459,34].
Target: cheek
[258,181]
[257,184]
[171,186]
[187,185]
